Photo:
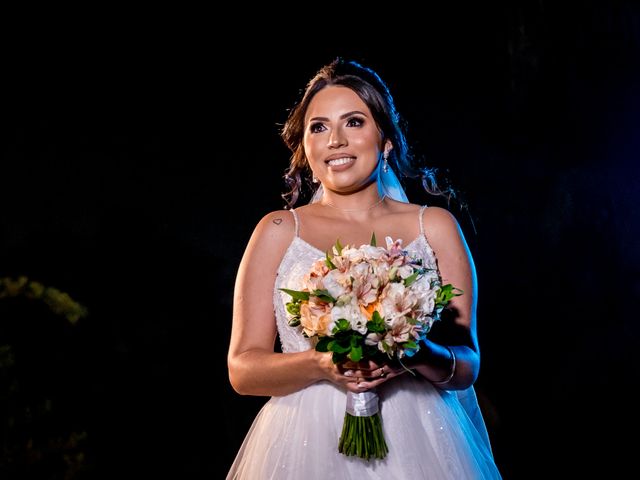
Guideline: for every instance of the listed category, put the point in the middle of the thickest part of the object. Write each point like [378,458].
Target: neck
[370,207]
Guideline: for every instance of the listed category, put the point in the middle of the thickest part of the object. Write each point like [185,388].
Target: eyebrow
[342,117]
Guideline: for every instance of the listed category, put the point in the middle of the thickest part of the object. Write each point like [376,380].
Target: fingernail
[348,373]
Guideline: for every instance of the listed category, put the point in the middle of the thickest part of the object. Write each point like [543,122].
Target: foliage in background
[37,440]
[59,302]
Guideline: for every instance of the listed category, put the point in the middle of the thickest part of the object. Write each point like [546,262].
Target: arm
[434,362]
[254,367]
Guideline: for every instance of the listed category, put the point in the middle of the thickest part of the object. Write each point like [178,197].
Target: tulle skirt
[431,434]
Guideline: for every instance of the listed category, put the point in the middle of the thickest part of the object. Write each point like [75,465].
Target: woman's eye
[316,127]
[355,122]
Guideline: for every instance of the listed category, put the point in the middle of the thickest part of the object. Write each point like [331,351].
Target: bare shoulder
[439,220]
[454,258]
[442,229]
[274,231]
[268,243]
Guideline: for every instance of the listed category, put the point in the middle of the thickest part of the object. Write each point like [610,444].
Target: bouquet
[367,303]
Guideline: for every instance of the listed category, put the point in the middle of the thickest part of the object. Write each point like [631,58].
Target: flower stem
[363,437]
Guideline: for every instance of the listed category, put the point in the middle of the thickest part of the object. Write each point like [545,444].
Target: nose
[336,139]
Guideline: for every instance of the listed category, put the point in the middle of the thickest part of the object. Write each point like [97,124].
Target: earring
[314,179]
[385,161]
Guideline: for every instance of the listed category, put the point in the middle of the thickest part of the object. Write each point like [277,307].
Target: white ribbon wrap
[363,404]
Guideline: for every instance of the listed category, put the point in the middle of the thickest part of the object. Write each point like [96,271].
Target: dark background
[137,157]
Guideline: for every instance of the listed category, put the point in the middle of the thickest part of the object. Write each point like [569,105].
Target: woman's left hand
[368,375]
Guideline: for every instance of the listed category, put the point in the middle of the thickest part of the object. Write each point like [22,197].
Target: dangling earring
[385,161]
[314,179]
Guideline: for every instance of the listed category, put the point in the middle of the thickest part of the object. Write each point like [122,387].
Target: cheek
[366,136]
[310,145]
[368,141]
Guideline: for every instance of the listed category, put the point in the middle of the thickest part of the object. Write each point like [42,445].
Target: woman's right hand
[361,376]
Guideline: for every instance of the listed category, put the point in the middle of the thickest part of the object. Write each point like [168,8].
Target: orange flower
[368,310]
[315,318]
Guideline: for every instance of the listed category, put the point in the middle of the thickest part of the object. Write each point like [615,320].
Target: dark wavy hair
[368,85]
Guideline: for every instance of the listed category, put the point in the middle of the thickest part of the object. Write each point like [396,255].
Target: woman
[345,134]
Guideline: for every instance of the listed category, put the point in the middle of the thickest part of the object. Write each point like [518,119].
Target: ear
[388,146]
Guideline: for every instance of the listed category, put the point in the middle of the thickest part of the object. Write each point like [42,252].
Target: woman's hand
[365,375]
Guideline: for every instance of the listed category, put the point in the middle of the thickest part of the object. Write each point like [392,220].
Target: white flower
[373,253]
[352,313]
[337,283]
[426,295]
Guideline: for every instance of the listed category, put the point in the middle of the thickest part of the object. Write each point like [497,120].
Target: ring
[382,373]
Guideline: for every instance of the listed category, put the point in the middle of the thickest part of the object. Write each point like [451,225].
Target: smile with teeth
[340,161]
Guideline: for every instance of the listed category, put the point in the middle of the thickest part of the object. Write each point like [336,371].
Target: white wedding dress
[431,433]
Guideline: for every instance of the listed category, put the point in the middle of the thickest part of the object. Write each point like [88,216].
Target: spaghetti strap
[422,209]
[295,220]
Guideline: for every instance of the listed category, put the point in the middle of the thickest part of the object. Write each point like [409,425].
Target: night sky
[135,166]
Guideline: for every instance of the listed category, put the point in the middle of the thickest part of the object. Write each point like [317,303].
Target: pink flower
[315,317]
[313,279]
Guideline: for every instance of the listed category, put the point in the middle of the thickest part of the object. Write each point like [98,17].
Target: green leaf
[342,325]
[409,344]
[337,347]
[328,262]
[446,293]
[323,344]
[376,324]
[356,353]
[338,247]
[323,295]
[293,308]
[373,241]
[296,294]
[411,278]
[294,321]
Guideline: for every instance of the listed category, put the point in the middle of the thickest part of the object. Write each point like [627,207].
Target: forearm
[263,373]
[455,370]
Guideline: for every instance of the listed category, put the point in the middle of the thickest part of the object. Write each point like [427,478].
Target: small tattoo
[277,221]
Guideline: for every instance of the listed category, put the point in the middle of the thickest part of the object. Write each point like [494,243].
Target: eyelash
[315,127]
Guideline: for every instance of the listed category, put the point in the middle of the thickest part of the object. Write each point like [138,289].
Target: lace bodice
[297,260]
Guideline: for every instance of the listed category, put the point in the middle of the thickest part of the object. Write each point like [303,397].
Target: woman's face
[341,140]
